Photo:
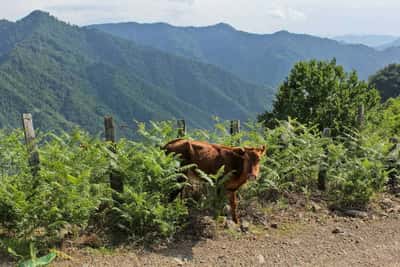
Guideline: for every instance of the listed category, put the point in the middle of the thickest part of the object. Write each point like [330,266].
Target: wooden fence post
[391,162]
[109,128]
[181,128]
[322,174]
[234,129]
[30,141]
[360,116]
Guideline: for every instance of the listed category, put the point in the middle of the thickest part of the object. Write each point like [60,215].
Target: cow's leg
[233,202]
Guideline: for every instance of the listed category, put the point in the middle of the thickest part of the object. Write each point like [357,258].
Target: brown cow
[244,162]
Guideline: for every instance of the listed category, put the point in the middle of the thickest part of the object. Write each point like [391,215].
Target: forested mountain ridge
[66,76]
[258,58]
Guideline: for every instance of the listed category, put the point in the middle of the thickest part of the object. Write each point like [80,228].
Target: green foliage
[73,182]
[213,194]
[68,76]
[294,154]
[263,59]
[71,192]
[323,94]
[387,81]
[70,186]
[356,171]
[150,176]
[34,261]
[385,123]
[355,165]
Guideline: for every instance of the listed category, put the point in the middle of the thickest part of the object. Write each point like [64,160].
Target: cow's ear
[263,149]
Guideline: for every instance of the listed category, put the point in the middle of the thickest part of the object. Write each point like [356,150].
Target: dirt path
[309,241]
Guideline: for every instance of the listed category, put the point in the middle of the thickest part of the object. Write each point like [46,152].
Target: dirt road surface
[319,241]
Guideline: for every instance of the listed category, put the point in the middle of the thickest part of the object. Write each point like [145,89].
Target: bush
[355,165]
[294,153]
[69,187]
[356,171]
[150,176]
[73,182]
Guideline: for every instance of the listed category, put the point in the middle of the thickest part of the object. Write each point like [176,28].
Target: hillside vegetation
[387,81]
[70,196]
[259,58]
[68,76]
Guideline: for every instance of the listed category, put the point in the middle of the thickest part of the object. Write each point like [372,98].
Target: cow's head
[251,161]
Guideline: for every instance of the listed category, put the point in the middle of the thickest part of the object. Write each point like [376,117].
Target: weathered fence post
[234,129]
[322,174]
[181,128]
[360,116]
[109,128]
[392,165]
[30,141]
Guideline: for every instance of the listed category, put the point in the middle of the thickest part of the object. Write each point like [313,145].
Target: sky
[319,17]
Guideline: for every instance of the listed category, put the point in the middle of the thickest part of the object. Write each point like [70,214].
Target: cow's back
[208,157]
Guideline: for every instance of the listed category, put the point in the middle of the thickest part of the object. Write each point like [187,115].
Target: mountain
[264,59]
[368,40]
[67,76]
[394,43]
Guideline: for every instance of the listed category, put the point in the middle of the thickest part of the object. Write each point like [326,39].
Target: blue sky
[321,17]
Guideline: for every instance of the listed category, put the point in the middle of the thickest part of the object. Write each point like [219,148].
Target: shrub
[150,176]
[356,171]
[294,153]
[68,189]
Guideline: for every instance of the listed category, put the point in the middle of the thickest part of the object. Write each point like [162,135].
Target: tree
[323,94]
[387,81]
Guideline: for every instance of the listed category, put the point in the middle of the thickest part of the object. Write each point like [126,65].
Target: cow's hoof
[231,225]
[245,226]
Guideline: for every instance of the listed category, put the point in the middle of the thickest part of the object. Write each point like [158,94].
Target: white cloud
[286,13]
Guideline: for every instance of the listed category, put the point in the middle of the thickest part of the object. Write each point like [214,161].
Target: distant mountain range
[66,76]
[375,41]
[395,43]
[263,59]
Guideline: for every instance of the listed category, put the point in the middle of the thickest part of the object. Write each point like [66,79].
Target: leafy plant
[34,261]
[356,171]
[293,159]
[212,191]
[68,189]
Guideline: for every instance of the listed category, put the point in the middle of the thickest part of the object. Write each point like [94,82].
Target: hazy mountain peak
[39,17]
[223,25]
[282,33]
[38,14]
